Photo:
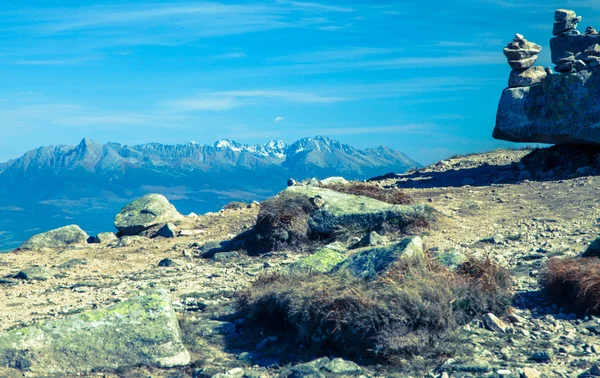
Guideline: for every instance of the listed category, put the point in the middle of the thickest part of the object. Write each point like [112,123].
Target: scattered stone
[36,273]
[372,263]
[531,373]
[143,331]
[166,263]
[145,212]
[63,237]
[371,239]
[292,182]
[542,356]
[451,258]
[494,324]
[169,230]
[222,256]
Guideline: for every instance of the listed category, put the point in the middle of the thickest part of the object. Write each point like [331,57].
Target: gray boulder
[59,238]
[142,331]
[526,78]
[340,211]
[561,109]
[106,237]
[145,212]
[372,263]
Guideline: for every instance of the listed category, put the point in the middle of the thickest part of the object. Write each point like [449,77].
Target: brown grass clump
[574,283]
[392,196]
[411,311]
[283,221]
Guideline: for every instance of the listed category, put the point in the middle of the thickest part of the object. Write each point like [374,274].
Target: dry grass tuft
[574,283]
[283,221]
[411,311]
[392,196]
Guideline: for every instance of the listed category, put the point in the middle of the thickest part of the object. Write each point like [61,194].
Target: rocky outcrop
[63,237]
[372,263]
[337,211]
[144,213]
[139,332]
[542,107]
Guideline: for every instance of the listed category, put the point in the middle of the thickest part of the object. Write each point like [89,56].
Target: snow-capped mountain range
[88,183]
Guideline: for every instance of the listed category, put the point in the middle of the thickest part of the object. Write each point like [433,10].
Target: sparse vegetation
[235,205]
[411,311]
[574,283]
[283,221]
[391,196]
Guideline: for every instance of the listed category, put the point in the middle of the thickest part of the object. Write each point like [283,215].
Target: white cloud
[224,100]
[278,119]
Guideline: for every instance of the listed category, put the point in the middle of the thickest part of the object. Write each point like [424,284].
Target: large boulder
[561,109]
[372,263]
[142,331]
[337,211]
[144,213]
[59,238]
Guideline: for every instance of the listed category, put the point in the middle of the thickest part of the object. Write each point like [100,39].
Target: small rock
[169,230]
[595,370]
[222,256]
[36,273]
[542,356]
[371,239]
[531,373]
[494,324]
[166,263]
[340,366]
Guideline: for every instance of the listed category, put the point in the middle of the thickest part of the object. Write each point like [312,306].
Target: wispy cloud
[224,100]
[316,6]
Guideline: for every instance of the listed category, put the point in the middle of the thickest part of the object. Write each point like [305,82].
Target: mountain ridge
[87,183]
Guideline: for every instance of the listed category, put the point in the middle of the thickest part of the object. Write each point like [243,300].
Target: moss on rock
[142,331]
[323,260]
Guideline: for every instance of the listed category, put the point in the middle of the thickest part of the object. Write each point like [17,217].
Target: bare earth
[521,225]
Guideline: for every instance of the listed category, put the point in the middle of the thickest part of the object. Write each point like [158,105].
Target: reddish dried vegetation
[392,196]
[574,283]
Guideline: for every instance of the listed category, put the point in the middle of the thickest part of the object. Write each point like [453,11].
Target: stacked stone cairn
[522,55]
[565,22]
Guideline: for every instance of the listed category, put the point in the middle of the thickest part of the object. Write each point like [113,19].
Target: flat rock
[36,273]
[562,109]
[340,210]
[169,230]
[59,238]
[526,78]
[106,237]
[145,212]
[374,262]
[143,331]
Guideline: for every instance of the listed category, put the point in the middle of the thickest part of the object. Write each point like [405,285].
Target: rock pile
[540,107]
[522,55]
[565,22]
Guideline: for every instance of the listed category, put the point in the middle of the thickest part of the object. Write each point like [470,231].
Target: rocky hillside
[505,214]
[88,183]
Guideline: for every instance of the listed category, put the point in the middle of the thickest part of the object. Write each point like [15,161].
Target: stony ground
[488,206]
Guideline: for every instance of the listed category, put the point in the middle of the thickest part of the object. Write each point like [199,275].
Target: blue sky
[423,77]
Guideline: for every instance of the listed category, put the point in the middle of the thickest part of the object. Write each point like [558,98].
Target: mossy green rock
[143,331]
[145,212]
[59,238]
[371,263]
[342,210]
[323,260]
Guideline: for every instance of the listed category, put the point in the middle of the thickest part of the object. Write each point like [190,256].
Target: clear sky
[423,77]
